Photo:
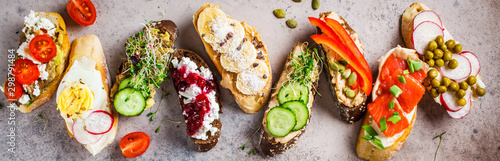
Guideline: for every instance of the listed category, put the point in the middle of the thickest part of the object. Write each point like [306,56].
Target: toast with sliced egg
[146,66]
[238,53]
[348,72]
[392,113]
[82,96]
[290,107]
[39,62]
[199,98]
[452,69]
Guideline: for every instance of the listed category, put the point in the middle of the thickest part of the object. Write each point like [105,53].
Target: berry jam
[200,105]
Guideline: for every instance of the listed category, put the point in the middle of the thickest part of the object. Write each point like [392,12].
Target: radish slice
[474,62]
[98,122]
[462,71]
[449,101]
[423,33]
[426,15]
[465,110]
[82,136]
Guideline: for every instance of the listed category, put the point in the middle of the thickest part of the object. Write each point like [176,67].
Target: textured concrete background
[473,23]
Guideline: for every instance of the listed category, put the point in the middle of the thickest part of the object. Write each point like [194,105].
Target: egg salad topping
[74,100]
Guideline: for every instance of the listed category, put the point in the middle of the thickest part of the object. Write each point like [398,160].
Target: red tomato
[82,11]
[134,144]
[42,48]
[25,71]
[13,90]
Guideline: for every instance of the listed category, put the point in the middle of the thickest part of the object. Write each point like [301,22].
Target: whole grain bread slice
[201,145]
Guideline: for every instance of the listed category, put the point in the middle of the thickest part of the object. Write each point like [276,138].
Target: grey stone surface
[473,23]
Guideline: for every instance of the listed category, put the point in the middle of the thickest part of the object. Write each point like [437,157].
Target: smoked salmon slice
[379,109]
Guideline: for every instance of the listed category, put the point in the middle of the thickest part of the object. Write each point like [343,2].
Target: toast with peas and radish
[348,72]
[290,107]
[392,112]
[199,98]
[39,62]
[454,80]
[238,53]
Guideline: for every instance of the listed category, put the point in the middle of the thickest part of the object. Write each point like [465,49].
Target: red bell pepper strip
[340,49]
[327,30]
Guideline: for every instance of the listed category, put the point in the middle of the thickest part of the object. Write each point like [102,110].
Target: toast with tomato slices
[352,107]
[35,75]
[391,116]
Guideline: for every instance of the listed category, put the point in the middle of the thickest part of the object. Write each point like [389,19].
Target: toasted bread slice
[89,47]
[211,141]
[350,109]
[269,144]
[54,67]
[164,26]
[249,103]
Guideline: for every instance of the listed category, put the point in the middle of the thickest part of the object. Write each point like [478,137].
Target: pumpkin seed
[279,13]
[291,23]
[315,4]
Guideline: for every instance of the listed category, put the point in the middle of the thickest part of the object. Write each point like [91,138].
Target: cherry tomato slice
[25,71]
[134,144]
[42,48]
[13,90]
[82,11]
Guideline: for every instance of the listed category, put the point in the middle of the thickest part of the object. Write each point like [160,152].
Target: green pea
[480,91]
[446,82]
[439,40]
[430,62]
[279,13]
[452,64]
[429,55]
[450,44]
[447,55]
[352,78]
[344,61]
[454,86]
[460,93]
[433,73]
[471,80]
[461,102]
[315,4]
[346,74]
[350,93]
[438,54]
[443,47]
[291,23]
[432,45]
[458,48]
[439,62]
[435,83]
[434,93]
[463,85]
[441,89]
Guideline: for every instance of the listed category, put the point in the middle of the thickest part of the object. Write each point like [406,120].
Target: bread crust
[348,113]
[89,46]
[201,145]
[47,91]
[248,103]
[269,145]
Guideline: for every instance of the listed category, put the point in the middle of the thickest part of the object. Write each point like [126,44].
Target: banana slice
[253,80]
[239,60]
[219,30]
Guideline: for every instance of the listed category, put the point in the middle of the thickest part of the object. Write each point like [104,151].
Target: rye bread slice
[201,145]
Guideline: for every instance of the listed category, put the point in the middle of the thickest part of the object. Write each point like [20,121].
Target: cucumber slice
[301,113]
[129,102]
[127,82]
[293,91]
[280,121]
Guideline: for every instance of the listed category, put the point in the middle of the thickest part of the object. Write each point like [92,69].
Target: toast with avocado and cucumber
[289,109]
[199,98]
[146,66]
[347,71]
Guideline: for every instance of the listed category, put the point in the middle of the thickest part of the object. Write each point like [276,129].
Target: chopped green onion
[391,105]
[395,90]
[401,79]
[366,137]
[394,118]
[405,71]
[370,130]
[396,113]
[383,124]
[378,143]
[411,68]
[417,65]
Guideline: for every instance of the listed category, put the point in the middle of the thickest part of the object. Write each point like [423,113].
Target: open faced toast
[238,53]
